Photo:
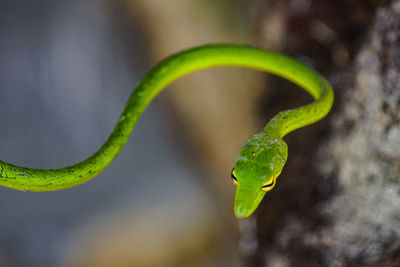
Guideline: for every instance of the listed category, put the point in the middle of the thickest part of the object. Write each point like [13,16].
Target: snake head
[260,162]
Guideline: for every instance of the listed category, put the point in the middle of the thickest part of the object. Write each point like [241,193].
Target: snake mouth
[246,201]
[242,210]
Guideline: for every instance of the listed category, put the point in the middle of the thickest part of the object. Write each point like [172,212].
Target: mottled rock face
[364,152]
[344,209]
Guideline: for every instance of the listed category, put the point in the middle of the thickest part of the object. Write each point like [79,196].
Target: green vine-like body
[262,157]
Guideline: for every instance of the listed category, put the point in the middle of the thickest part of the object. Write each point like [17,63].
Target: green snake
[260,160]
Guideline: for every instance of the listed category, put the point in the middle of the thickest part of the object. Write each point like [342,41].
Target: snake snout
[241,209]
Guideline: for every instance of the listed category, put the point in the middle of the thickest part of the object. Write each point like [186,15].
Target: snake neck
[289,120]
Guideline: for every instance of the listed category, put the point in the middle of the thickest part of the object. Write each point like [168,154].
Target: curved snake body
[262,157]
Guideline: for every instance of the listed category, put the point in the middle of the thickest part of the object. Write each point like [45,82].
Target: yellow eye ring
[268,186]
[233,176]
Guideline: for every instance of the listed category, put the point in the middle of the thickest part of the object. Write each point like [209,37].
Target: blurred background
[67,68]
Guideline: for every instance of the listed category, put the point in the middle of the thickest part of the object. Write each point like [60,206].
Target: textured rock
[365,150]
[340,206]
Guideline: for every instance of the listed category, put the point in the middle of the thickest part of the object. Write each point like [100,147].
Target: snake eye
[233,176]
[268,186]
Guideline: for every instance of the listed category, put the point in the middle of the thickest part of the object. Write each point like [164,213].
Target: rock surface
[348,210]
[365,150]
